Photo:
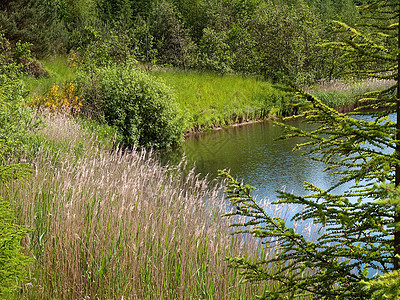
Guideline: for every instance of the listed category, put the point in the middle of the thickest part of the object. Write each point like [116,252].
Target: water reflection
[253,154]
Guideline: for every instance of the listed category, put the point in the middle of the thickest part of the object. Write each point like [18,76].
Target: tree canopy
[260,37]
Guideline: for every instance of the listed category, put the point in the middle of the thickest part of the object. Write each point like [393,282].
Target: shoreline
[197,130]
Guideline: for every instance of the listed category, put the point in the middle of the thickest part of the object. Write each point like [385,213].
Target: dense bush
[18,59]
[61,98]
[141,108]
[16,120]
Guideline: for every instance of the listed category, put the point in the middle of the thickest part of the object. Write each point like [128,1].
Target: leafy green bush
[15,119]
[18,59]
[141,108]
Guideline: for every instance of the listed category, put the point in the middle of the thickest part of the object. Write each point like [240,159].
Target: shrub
[16,120]
[17,60]
[141,108]
[60,99]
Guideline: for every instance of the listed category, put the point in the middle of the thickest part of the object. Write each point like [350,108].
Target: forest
[248,37]
[90,88]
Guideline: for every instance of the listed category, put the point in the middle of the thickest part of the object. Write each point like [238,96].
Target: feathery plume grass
[113,225]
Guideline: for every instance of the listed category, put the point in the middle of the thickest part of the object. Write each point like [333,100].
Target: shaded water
[253,155]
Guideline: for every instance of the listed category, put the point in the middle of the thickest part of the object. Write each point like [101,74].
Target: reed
[115,225]
[345,95]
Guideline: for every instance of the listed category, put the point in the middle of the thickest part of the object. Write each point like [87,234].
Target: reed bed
[115,225]
[345,95]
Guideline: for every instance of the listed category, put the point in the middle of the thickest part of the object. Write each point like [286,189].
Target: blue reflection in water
[253,155]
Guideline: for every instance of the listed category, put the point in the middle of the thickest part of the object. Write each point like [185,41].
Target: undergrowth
[112,224]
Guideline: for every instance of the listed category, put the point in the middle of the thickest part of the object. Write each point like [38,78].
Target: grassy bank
[112,225]
[345,95]
[209,99]
[205,99]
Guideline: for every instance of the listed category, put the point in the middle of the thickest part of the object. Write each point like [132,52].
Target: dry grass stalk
[118,225]
[355,87]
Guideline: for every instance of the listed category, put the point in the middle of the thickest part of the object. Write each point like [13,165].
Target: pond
[253,154]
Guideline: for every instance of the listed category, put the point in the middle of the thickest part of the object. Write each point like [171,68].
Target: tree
[359,235]
[193,16]
[32,21]
[214,51]
[173,43]
[117,13]
[143,42]
[342,10]
[286,38]
[243,48]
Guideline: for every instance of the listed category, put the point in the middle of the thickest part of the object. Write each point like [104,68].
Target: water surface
[253,154]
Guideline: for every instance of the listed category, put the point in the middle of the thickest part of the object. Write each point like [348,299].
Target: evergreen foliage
[358,231]
[387,286]
[12,261]
[13,126]
[32,21]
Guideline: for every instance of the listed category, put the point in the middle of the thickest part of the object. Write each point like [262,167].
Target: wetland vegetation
[88,88]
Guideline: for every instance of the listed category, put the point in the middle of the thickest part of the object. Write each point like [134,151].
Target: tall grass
[209,99]
[59,71]
[345,95]
[114,225]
